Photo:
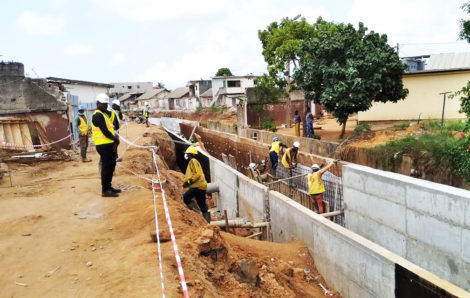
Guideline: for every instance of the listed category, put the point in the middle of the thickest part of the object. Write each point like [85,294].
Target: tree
[345,70]
[281,45]
[465,24]
[223,72]
[266,90]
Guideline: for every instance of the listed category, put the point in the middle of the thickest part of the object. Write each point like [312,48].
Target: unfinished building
[389,235]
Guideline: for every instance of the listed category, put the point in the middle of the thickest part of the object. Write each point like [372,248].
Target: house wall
[121,88]
[423,100]
[276,111]
[85,93]
[424,222]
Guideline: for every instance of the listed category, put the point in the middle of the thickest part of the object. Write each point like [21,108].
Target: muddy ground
[60,238]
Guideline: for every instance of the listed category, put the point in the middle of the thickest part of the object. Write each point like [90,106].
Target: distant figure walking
[83,126]
[297,124]
[145,113]
[309,124]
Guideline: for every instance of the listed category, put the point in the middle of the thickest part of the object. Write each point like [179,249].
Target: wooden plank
[2,133]
[8,134]
[16,131]
[25,134]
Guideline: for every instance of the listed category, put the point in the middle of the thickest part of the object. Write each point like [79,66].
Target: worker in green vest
[145,113]
[83,126]
[106,143]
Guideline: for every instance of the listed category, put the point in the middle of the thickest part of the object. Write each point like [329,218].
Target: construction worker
[84,129]
[289,160]
[195,180]
[274,151]
[115,117]
[315,185]
[106,143]
[145,113]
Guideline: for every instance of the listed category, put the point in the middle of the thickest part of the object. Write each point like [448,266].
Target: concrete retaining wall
[424,222]
[173,124]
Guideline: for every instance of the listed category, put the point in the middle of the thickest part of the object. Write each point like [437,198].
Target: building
[120,89]
[129,100]
[179,99]
[227,90]
[85,91]
[206,98]
[32,111]
[441,73]
[198,87]
[155,97]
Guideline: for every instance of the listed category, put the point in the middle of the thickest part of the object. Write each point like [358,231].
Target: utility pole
[398,50]
[443,107]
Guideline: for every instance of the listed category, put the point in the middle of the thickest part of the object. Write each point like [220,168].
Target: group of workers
[316,187]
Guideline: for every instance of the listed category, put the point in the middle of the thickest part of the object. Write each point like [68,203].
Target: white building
[85,91]
[130,87]
[226,91]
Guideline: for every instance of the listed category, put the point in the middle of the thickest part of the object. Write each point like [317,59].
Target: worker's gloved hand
[291,166]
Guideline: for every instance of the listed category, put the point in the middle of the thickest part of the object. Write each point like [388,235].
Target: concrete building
[155,97]
[32,111]
[122,88]
[227,90]
[179,99]
[129,100]
[440,73]
[198,87]
[85,91]
[206,98]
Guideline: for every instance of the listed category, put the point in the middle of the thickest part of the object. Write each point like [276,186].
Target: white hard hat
[296,144]
[147,103]
[315,166]
[108,108]
[116,102]
[102,98]
[252,165]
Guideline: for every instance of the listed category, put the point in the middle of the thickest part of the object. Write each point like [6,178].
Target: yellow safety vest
[113,115]
[195,173]
[145,113]
[97,135]
[287,159]
[315,183]
[275,146]
[83,127]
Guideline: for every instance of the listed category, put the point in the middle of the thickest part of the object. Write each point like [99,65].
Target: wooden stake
[226,220]
[253,235]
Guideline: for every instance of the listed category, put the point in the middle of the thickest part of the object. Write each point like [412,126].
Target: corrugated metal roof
[178,92]
[448,61]
[207,93]
[150,93]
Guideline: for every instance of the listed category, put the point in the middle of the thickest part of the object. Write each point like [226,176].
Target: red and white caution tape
[157,233]
[33,146]
[133,144]
[184,287]
[135,174]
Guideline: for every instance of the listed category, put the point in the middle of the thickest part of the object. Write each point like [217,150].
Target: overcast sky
[176,41]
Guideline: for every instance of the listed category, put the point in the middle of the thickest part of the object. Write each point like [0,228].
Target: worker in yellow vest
[195,180]
[316,188]
[83,126]
[289,160]
[274,152]
[106,143]
[145,113]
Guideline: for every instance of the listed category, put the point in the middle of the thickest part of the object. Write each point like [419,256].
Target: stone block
[433,232]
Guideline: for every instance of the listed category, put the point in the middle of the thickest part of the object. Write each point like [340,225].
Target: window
[233,84]
[129,87]
[138,86]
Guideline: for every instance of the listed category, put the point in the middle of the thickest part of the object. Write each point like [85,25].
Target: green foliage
[401,126]
[214,109]
[268,123]
[224,71]
[434,126]
[317,137]
[266,90]
[465,24]
[346,69]
[360,128]
[281,45]
[443,152]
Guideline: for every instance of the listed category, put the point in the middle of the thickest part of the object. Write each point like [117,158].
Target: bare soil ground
[53,221]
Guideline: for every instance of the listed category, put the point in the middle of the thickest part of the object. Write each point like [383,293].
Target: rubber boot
[193,206]
[207,217]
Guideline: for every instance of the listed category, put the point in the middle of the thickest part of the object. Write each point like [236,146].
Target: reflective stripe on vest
[83,127]
[97,135]
[275,147]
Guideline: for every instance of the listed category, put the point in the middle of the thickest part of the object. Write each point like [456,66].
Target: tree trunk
[304,119]
[343,130]
[288,114]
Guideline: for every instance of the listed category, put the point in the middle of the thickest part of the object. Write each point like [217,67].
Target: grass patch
[450,125]
[401,126]
[219,110]
[268,123]
[360,128]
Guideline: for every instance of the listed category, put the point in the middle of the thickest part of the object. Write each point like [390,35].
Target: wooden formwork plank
[16,132]
[8,134]
[25,134]
[2,133]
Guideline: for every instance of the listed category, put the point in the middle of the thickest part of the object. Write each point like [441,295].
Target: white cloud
[77,49]
[117,58]
[36,24]
[411,22]
[158,10]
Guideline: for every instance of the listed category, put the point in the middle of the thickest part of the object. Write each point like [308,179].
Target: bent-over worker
[195,180]
[106,143]
[289,160]
[315,185]
[83,126]
[274,151]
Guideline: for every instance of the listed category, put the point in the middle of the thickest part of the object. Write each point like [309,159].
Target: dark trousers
[200,196]
[274,161]
[108,164]
[83,145]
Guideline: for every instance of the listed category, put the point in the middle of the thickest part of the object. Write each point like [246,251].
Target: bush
[451,125]
[268,123]
[317,137]
[360,128]
[401,126]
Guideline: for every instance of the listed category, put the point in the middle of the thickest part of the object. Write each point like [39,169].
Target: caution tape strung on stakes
[135,174]
[184,287]
[34,146]
[157,233]
[133,144]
